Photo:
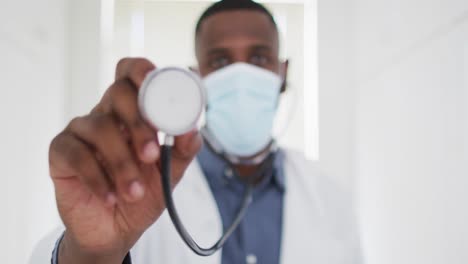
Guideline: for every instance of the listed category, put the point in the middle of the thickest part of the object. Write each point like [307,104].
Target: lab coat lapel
[199,212]
[317,223]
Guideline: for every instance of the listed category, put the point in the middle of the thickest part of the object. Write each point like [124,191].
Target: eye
[259,60]
[219,62]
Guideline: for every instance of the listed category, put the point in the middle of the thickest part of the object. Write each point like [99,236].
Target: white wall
[85,53]
[50,71]
[394,112]
[336,90]
[411,130]
[32,49]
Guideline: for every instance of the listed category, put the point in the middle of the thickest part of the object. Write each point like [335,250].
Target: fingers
[71,155]
[121,99]
[135,69]
[132,69]
[96,147]
[101,132]
[124,102]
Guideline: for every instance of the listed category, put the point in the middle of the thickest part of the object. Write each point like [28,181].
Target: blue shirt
[258,237]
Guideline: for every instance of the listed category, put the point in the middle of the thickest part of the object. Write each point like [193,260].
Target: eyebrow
[262,48]
[256,47]
[215,51]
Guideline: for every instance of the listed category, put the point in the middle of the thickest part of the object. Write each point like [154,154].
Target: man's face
[237,36]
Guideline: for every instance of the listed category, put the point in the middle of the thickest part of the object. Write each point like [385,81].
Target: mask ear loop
[290,112]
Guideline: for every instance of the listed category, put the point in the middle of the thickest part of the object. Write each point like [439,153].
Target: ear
[284,73]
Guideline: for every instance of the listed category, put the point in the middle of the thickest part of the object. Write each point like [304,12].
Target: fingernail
[151,152]
[111,199]
[136,190]
[191,134]
[194,131]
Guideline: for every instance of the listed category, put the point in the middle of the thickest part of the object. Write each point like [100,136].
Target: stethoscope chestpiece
[172,100]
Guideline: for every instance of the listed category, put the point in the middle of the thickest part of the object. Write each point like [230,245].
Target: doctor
[105,167]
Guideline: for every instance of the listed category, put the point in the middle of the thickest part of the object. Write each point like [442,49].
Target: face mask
[242,101]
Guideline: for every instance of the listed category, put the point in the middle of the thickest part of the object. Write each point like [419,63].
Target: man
[105,166]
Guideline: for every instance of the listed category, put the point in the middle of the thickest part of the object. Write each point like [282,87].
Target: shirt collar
[217,169]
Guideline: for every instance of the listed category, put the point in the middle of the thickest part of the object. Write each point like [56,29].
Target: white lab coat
[318,222]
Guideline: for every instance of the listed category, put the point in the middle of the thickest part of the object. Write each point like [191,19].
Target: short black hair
[233,5]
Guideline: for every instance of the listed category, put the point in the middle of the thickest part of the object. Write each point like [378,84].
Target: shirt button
[228,173]
[251,259]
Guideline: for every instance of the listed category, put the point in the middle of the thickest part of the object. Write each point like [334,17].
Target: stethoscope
[175,92]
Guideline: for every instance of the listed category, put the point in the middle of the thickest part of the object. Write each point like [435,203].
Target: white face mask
[242,103]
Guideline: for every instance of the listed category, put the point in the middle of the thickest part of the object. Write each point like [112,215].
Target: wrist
[71,253]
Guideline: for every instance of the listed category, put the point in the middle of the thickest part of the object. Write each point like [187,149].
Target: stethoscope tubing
[166,150]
